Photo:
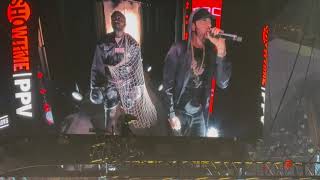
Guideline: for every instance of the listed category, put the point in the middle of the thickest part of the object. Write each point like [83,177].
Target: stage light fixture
[77,96]
[160,88]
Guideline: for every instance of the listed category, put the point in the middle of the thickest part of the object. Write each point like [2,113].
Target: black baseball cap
[202,14]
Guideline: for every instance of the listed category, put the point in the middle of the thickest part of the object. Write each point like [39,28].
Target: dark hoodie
[177,72]
[105,56]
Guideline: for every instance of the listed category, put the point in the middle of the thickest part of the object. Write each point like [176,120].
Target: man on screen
[189,67]
[117,78]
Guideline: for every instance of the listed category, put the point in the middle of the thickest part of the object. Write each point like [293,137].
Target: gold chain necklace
[194,65]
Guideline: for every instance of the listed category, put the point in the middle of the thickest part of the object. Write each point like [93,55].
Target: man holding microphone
[188,70]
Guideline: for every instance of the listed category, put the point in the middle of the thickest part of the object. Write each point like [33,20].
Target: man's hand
[218,42]
[175,123]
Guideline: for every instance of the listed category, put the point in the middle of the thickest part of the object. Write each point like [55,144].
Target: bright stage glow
[132,26]
[49,118]
[77,96]
[160,88]
[111,168]
[212,132]
[262,119]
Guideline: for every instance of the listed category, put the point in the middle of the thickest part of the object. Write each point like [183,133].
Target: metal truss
[219,169]
[120,156]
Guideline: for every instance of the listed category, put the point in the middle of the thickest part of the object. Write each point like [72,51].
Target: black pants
[114,125]
[192,121]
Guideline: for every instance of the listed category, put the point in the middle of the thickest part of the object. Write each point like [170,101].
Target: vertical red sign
[265,40]
[188,10]
[18,13]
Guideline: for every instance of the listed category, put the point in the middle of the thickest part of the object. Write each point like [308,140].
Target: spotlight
[149,68]
[77,96]
[310,150]
[212,132]
[112,168]
[160,88]
[262,120]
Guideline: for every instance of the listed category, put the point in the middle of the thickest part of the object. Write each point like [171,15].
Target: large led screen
[128,67]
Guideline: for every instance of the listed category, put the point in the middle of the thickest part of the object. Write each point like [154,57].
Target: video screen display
[142,68]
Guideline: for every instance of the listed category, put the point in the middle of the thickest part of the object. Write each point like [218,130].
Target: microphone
[227,36]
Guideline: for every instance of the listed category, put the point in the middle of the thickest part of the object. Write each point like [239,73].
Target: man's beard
[117,28]
[201,36]
[119,33]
